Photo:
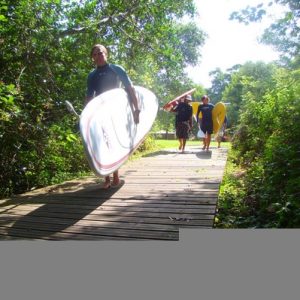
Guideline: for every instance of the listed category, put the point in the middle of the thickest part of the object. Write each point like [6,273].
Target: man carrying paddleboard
[183,121]
[206,123]
[105,77]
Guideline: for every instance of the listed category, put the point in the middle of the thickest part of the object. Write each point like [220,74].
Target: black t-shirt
[206,110]
[105,78]
[184,112]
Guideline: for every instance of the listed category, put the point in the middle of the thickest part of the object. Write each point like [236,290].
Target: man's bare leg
[106,183]
[116,179]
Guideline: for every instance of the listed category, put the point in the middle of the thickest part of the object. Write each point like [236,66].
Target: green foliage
[284,33]
[247,85]
[249,14]
[32,154]
[219,82]
[63,157]
[44,60]
[10,125]
[232,210]
[267,147]
[267,143]
[147,145]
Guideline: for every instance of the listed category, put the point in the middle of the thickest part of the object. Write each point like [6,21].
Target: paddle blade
[71,108]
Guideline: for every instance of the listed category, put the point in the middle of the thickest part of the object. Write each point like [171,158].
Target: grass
[162,144]
[155,145]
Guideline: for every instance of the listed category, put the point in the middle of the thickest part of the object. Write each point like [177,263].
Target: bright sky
[228,42]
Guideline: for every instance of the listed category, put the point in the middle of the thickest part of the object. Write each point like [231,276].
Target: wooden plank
[118,208]
[43,222]
[97,200]
[35,234]
[45,230]
[119,204]
[142,215]
[178,219]
[162,193]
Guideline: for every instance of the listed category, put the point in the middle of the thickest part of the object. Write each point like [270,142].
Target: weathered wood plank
[43,222]
[161,194]
[36,234]
[46,230]
[109,214]
[117,208]
[177,219]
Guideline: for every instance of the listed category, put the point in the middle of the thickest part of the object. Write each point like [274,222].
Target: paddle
[71,108]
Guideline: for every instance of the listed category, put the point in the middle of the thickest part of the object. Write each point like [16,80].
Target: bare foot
[115,182]
[106,185]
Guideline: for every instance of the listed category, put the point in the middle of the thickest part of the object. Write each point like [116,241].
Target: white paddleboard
[108,130]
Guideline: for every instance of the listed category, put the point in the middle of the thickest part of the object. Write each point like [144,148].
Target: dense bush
[267,148]
[33,154]
[44,60]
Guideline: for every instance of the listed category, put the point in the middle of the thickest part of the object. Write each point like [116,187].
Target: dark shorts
[182,130]
[207,128]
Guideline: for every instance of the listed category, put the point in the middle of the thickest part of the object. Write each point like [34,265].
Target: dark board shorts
[207,128]
[182,130]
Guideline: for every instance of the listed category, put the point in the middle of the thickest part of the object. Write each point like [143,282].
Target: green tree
[44,61]
[266,143]
[219,82]
[250,79]
[284,33]
[268,147]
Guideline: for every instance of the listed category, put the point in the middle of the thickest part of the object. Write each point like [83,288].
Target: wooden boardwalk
[163,193]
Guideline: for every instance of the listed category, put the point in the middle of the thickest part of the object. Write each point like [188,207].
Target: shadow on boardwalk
[52,212]
[199,154]
[163,192]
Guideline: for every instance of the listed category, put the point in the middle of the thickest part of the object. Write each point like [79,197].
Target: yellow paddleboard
[218,116]
[195,106]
